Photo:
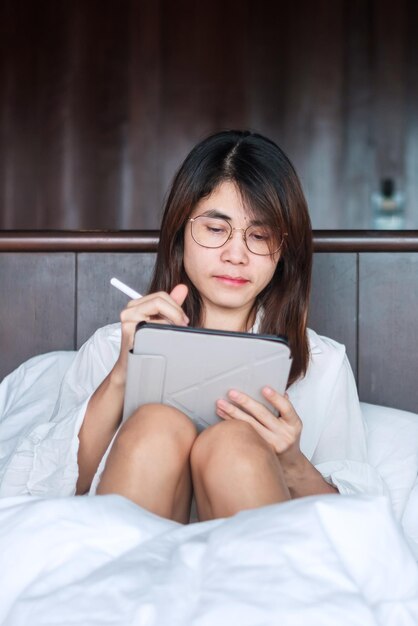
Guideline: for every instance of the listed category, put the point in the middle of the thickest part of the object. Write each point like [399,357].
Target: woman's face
[228,278]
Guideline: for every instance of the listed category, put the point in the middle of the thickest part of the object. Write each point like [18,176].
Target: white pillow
[392,438]
[29,393]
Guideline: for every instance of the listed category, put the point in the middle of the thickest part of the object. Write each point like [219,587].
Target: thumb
[179,294]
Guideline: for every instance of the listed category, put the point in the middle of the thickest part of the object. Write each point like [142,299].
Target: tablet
[191,368]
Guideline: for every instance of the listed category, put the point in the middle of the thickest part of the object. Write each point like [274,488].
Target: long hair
[272,192]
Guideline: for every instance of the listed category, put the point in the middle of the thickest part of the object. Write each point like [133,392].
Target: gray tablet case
[191,368]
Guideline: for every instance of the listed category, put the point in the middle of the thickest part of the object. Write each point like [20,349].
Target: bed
[317,561]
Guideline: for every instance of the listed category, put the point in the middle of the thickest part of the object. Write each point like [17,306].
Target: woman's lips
[231,280]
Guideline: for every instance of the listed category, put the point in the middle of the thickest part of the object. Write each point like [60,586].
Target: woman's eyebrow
[216,213]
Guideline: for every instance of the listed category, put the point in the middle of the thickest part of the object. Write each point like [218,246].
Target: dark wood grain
[389,91]
[143,190]
[101,100]
[410,157]
[147,241]
[78,241]
[358,153]
[314,113]
[388,329]
[19,136]
[366,241]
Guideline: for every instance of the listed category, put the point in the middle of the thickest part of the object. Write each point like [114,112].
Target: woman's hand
[282,432]
[159,307]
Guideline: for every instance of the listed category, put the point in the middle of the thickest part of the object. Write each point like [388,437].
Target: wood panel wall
[364,295]
[100,100]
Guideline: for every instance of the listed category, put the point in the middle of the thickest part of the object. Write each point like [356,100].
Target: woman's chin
[230,301]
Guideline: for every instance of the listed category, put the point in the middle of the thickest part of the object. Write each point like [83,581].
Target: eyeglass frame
[244,230]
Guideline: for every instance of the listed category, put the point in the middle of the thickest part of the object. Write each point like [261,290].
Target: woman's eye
[260,236]
[216,230]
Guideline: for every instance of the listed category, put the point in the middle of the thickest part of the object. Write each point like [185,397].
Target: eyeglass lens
[214,232]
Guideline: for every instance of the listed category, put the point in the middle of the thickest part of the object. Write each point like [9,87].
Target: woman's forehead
[226,201]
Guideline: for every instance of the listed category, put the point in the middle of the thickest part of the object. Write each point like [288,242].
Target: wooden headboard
[55,292]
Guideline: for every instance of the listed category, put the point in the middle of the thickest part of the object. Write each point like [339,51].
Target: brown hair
[270,189]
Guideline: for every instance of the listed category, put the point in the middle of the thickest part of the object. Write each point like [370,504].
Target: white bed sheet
[319,561]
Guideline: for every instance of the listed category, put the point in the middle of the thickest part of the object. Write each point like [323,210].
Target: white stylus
[125,289]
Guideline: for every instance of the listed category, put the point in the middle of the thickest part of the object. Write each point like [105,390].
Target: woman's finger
[282,404]
[281,434]
[261,413]
[156,306]
[226,410]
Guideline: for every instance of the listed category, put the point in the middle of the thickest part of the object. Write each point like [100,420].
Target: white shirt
[44,463]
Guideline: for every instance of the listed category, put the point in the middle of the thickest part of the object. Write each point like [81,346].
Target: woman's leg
[149,461]
[233,468]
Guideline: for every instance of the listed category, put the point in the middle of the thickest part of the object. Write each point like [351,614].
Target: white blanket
[318,561]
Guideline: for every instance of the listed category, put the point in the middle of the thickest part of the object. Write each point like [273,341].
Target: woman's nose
[235,248]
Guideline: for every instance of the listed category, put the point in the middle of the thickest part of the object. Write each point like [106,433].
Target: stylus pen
[125,289]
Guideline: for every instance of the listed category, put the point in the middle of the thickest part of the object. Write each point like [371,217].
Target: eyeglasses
[214,232]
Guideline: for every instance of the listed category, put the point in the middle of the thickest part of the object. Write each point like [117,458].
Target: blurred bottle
[388,207]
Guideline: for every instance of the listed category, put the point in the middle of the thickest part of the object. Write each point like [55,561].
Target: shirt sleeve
[341,452]
[90,367]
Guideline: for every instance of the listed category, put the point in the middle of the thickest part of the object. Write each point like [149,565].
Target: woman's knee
[160,424]
[232,445]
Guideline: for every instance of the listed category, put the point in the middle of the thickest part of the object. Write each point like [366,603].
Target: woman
[235,254]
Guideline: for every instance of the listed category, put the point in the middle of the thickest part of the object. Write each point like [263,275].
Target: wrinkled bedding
[317,561]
